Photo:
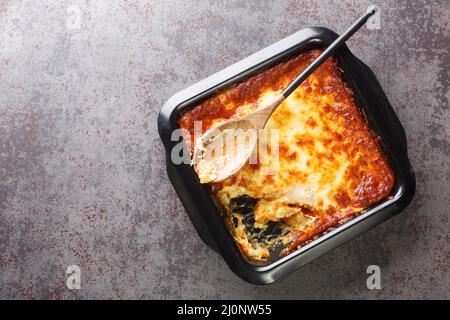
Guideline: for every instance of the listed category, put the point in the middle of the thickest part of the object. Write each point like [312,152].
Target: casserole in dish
[323,167]
[334,165]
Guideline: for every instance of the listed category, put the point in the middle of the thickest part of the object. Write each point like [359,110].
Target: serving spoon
[214,160]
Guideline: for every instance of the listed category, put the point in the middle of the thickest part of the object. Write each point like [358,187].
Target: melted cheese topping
[321,163]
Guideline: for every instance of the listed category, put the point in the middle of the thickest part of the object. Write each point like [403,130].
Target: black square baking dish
[200,204]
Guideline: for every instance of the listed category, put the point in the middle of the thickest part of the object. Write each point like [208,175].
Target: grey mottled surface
[82,176]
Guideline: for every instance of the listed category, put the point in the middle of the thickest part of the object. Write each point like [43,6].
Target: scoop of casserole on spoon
[224,149]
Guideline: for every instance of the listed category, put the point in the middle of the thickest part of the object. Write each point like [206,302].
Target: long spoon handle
[327,53]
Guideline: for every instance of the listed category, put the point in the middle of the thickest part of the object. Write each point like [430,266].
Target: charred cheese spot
[327,167]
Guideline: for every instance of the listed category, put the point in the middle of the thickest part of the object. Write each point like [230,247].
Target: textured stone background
[82,176]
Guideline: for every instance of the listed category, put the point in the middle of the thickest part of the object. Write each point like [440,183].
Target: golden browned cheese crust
[330,166]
